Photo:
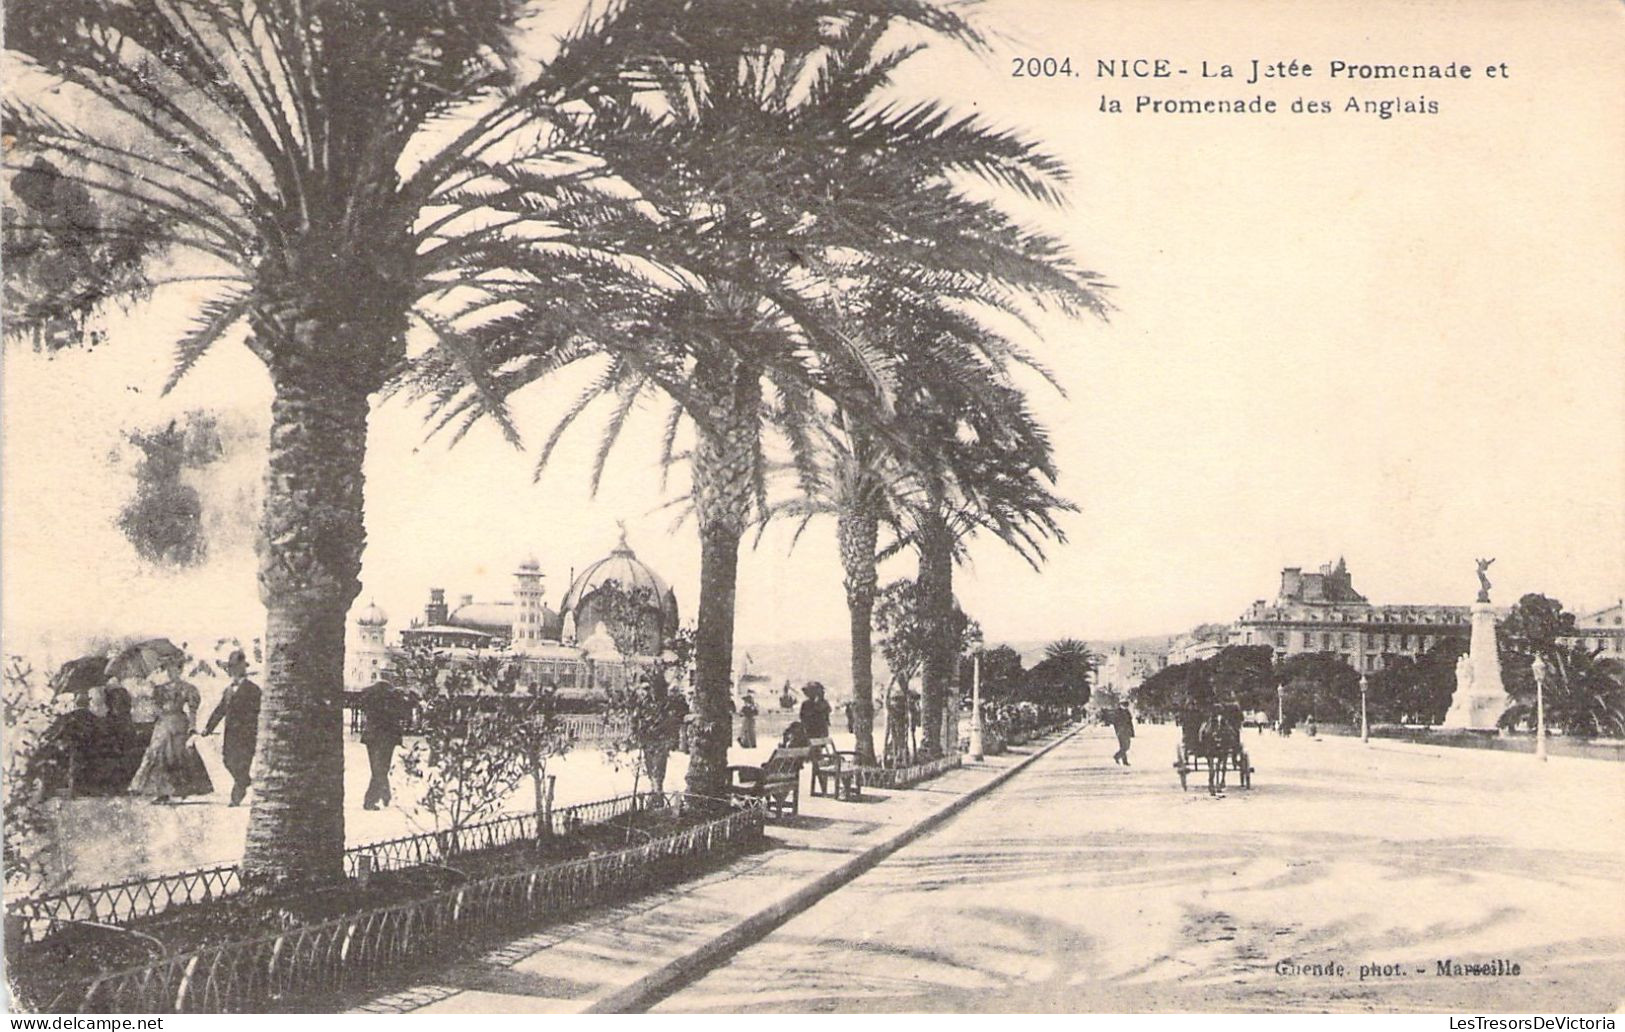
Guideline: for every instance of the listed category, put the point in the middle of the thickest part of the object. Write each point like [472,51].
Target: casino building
[616,618]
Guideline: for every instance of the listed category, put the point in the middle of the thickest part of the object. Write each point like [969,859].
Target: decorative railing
[119,903]
[300,967]
[591,727]
[438,846]
[906,777]
[116,903]
[996,738]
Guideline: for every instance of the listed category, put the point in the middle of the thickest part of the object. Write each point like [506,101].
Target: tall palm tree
[994,473]
[768,179]
[329,171]
[859,482]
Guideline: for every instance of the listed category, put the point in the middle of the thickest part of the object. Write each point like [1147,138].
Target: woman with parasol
[172,766]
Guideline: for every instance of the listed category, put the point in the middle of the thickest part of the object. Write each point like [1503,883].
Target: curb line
[667,979]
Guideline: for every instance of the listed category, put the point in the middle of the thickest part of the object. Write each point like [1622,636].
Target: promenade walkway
[626,957]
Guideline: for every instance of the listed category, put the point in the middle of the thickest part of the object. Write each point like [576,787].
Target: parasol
[141,659]
[80,675]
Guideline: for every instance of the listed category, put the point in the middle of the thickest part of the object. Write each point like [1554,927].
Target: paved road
[1083,886]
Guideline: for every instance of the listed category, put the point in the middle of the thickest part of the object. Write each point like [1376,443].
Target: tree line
[1584,695]
[728,209]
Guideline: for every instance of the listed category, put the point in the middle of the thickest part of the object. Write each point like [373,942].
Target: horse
[1218,738]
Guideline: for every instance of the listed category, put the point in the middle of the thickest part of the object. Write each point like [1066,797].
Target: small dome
[372,616]
[530,565]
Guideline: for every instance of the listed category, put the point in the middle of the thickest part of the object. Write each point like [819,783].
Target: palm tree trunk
[311,538]
[936,584]
[857,533]
[724,474]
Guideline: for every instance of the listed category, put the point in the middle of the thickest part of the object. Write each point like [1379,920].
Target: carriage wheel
[1183,767]
[1246,770]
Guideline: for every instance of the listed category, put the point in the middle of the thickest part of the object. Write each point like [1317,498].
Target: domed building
[370,656]
[618,605]
[621,592]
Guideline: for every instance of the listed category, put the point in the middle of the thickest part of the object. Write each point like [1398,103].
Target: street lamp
[1365,728]
[1541,671]
[976,708]
[1280,708]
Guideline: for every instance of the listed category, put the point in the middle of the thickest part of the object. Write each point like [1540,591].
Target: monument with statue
[1480,698]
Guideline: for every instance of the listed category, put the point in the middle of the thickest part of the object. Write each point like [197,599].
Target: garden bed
[292,951]
[906,777]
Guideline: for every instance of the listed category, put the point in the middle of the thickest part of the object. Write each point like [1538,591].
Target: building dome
[494,618]
[622,566]
[625,569]
[372,616]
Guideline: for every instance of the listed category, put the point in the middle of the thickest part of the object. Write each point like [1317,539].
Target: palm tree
[858,482]
[769,181]
[994,474]
[329,171]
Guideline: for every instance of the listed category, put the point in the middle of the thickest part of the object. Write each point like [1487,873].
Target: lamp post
[1280,708]
[1541,671]
[1365,728]
[976,708]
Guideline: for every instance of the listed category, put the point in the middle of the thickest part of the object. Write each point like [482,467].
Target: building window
[1280,639]
[1348,641]
[1308,640]
[1326,642]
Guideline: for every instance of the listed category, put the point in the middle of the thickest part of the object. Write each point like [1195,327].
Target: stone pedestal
[1480,697]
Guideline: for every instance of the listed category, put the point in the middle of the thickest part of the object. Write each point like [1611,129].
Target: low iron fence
[905,777]
[997,739]
[119,903]
[302,966]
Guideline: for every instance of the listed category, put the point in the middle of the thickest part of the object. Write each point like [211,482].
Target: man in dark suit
[239,707]
[381,706]
[1123,724]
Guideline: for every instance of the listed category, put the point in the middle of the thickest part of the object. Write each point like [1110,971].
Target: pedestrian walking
[747,722]
[382,707]
[239,708]
[1123,724]
[171,766]
[123,744]
[66,759]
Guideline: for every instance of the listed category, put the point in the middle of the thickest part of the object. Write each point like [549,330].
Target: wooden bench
[835,774]
[778,781]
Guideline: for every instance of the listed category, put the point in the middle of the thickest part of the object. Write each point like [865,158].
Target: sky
[1393,340]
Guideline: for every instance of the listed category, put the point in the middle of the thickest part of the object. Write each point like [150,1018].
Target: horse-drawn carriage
[1210,740]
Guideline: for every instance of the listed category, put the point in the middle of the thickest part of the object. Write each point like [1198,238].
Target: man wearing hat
[384,711]
[239,707]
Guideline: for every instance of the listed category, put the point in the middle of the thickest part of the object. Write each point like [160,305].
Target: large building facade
[1321,612]
[617,617]
[1603,631]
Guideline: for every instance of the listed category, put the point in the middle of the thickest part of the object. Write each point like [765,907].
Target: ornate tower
[371,654]
[528,612]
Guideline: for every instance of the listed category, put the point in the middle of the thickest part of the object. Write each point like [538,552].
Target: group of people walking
[86,753]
